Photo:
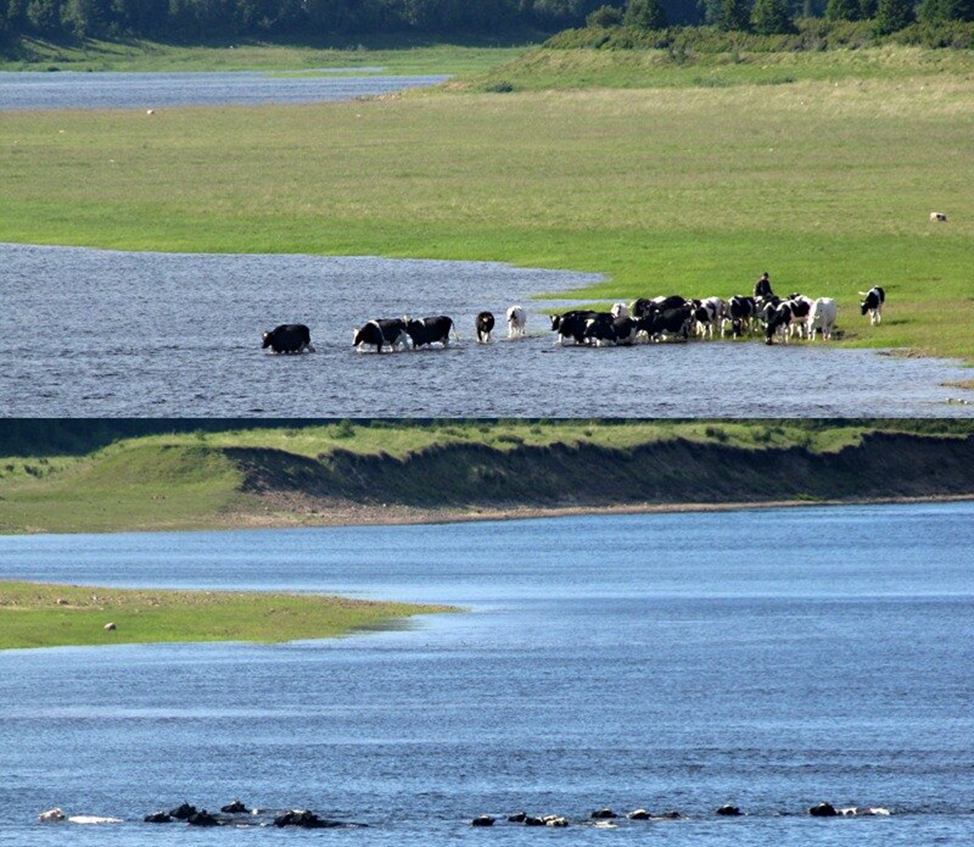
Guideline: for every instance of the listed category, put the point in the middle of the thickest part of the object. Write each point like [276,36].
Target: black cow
[873,304]
[485,324]
[740,310]
[288,338]
[669,322]
[391,331]
[779,320]
[674,301]
[641,308]
[430,330]
[572,324]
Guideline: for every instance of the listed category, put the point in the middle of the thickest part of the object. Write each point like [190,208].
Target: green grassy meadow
[38,615]
[197,480]
[671,184]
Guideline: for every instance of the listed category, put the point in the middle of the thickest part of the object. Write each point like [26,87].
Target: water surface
[94,333]
[111,90]
[771,659]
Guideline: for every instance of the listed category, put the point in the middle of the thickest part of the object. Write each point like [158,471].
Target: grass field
[197,480]
[672,186]
[37,615]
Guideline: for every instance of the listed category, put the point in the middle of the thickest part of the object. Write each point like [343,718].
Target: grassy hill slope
[373,473]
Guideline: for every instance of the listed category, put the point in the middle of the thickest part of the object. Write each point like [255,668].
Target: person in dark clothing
[762,288]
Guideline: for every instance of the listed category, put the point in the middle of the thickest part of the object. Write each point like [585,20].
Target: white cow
[822,316]
[51,816]
[619,310]
[516,319]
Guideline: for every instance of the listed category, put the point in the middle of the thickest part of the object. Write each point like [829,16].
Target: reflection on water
[770,659]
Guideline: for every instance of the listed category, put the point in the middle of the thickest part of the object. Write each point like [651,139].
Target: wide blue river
[768,659]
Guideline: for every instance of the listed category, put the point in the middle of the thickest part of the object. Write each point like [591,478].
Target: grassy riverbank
[375,472]
[399,55]
[38,615]
[676,185]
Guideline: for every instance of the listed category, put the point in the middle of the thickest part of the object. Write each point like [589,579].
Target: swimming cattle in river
[288,338]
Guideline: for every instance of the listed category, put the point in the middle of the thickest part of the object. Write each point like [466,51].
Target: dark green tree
[734,15]
[605,17]
[771,17]
[893,15]
[44,16]
[843,10]
[867,9]
[935,11]
[646,14]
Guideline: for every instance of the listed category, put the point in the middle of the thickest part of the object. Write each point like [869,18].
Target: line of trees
[206,20]
[770,17]
[213,19]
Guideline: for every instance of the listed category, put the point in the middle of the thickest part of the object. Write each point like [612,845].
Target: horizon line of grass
[36,614]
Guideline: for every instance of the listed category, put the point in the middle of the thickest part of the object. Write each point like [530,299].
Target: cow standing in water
[485,325]
[431,330]
[288,338]
[873,304]
[516,319]
[391,331]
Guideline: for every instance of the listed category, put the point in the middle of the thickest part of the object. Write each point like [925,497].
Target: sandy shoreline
[356,515]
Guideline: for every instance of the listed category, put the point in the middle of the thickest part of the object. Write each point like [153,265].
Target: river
[97,333]
[770,659]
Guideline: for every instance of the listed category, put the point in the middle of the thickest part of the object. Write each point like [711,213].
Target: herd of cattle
[644,320]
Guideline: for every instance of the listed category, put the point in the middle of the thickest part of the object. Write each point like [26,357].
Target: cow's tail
[453,331]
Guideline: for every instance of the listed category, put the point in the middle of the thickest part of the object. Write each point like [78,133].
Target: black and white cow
[571,325]
[707,314]
[377,333]
[740,311]
[485,325]
[288,338]
[801,306]
[873,304]
[601,332]
[431,330]
[779,322]
[641,308]
[671,322]
[516,320]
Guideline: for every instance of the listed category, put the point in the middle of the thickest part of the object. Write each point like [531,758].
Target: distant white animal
[822,316]
[150,111]
[516,320]
[938,217]
[51,816]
